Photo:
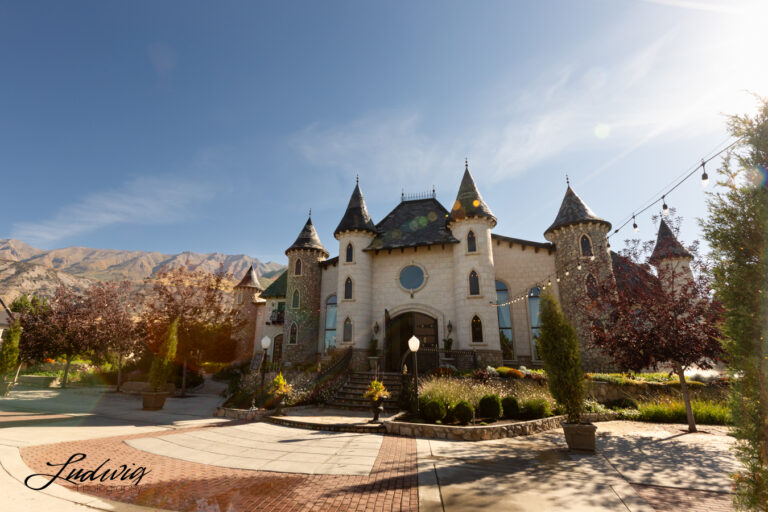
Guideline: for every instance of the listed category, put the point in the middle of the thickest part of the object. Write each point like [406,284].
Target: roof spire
[469,202]
[574,211]
[567,181]
[668,246]
[356,217]
[466,164]
[308,239]
[357,179]
[310,212]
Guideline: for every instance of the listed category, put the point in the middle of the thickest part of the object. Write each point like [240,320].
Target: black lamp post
[265,342]
[413,344]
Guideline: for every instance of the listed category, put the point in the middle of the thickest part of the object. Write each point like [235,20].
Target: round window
[411,277]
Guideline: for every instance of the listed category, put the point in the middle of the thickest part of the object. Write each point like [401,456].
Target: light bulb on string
[664,207]
[578,267]
[566,273]
[592,258]
[704,176]
[558,279]
[634,224]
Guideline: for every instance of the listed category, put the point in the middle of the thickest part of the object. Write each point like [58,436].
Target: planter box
[580,436]
[153,401]
[39,381]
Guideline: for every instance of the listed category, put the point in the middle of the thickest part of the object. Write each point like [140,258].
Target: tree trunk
[184,378]
[686,397]
[66,372]
[119,372]
[16,378]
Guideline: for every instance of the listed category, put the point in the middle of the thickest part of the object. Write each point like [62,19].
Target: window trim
[296,300]
[472,330]
[471,235]
[423,283]
[591,246]
[469,284]
[325,320]
[347,321]
[298,267]
[348,281]
[534,348]
[511,327]
[349,256]
[294,329]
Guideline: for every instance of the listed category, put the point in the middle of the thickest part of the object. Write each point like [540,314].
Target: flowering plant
[376,390]
[280,386]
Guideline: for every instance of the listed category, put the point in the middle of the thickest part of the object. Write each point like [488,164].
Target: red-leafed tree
[113,326]
[663,316]
[200,303]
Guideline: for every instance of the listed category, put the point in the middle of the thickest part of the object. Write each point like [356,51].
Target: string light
[664,207]
[634,224]
[704,176]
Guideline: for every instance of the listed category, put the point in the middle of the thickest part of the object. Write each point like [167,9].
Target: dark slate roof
[667,246]
[277,288]
[631,277]
[250,279]
[308,239]
[528,243]
[469,202]
[330,261]
[574,211]
[413,224]
[356,218]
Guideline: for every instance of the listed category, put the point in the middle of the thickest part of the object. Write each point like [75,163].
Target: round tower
[354,296]
[671,259]
[302,296]
[582,260]
[476,324]
[249,306]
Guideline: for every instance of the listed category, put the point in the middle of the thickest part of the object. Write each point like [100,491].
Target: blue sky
[215,126]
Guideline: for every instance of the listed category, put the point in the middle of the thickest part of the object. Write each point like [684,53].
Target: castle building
[434,273]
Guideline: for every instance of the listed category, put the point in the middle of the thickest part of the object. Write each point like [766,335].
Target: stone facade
[302,347]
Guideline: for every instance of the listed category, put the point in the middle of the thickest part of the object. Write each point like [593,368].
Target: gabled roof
[308,239]
[356,218]
[413,224]
[631,277]
[278,287]
[250,280]
[469,203]
[574,211]
[667,246]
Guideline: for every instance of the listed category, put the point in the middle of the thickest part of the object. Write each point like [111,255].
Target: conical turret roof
[574,211]
[250,280]
[668,246]
[356,218]
[308,239]
[469,202]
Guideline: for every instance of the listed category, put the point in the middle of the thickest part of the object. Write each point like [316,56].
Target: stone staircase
[350,395]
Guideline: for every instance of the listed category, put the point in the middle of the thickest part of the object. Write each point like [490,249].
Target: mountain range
[27,269]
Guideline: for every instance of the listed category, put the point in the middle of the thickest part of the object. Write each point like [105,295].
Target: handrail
[329,378]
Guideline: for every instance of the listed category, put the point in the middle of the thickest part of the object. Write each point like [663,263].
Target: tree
[559,349]
[736,230]
[113,325]
[9,350]
[34,316]
[71,327]
[162,364]
[643,319]
[197,300]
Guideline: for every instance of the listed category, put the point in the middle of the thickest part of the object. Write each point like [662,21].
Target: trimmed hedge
[434,411]
[490,407]
[510,407]
[534,409]
[463,412]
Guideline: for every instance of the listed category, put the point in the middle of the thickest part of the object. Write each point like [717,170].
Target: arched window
[295,303]
[474,283]
[330,322]
[471,242]
[592,286]
[348,288]
[505,320]
[347,329]
[239,297]
[350,253]
[534,299]
[293,335]
[477,330]
[586,246]
[297,268]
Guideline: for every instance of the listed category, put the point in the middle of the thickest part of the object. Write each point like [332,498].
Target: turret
[582,260]
[355,233]
[470,222]
[671,258]
[250,306]
[303,295]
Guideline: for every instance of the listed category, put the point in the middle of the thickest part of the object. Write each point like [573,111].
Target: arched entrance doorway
[400,328]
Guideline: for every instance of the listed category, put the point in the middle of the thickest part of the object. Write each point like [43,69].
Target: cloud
[720,6]
[163,59]
[143,201]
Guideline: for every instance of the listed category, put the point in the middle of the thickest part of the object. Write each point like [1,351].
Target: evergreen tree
[9,350]
[162,364]
[559,349]
[737,231]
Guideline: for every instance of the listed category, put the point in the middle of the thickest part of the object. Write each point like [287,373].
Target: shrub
[434,411]
[622,403]
[535,408]
[464,412]
[443,371]
[510,373]
[706,413]
[559,349]
[9,350]
[510,407]
[490,407]
[450,417]
[481,375]
[162,364]
[376,390]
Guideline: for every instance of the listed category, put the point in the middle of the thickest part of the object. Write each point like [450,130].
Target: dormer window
[586,246]
[471,242]
[297,268]
[350,253]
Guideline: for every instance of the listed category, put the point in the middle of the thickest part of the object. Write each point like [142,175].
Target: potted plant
[373,355]
[279,390]
[9,357]
[559,349]
[161,368]
[448,345]
[376,393]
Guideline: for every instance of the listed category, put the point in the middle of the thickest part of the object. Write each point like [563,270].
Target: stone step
[360,407]
[333,427]
[357,394]
[357,385]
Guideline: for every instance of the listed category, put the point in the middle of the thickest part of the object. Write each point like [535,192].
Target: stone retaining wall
[483,432]
[240,414]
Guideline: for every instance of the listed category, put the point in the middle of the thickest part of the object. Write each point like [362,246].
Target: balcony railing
[277,317]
